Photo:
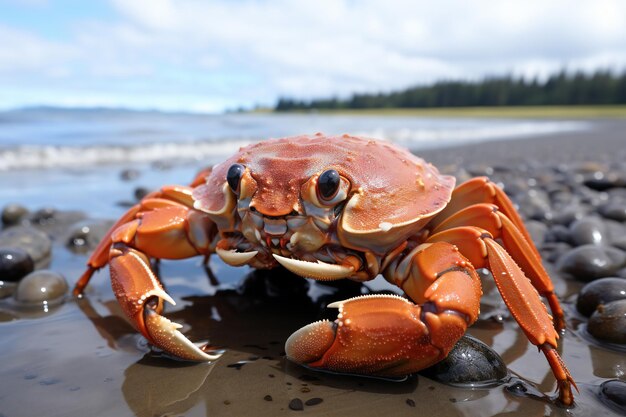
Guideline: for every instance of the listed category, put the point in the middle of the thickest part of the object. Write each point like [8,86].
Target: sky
[211,56]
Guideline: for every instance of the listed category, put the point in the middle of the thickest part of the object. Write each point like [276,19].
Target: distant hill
[602,87]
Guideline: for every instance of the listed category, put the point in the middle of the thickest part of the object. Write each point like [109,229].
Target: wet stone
[537,231]
[268,398]
[313,401]
[33,241]
[613,393]
[296,404]
[589,262]
[587,231]
[608,322]
[614,210]
[6,289]
[84,237]
[470,361]
[129,174]
[15,264]
[41,287]
[43,216]
[598,292]
[13,214]
[141,192]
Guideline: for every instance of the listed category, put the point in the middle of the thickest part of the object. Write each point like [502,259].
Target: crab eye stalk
[328,184]
[233,177]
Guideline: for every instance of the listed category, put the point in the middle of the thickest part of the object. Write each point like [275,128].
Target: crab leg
[387,335]
[161,226]
[482,190]
[489,218]
[518,293]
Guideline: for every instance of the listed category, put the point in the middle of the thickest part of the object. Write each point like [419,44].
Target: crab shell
[390,193]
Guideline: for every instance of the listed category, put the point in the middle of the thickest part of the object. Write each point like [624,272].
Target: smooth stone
[613,393]
[587,230]
[557,233]
[13,214]
[15,264]
[469,362]
[33,241]
[43,216]
[552,251]
[41,286]
[141,192]
[85,236]
[589,262]
[613,210]
[598,292]
[537,231]
[608,322]
[568,215]
[129,174]
[6,289]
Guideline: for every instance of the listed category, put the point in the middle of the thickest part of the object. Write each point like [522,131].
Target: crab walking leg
[169,196]
[489,218]
[387,335]
[482,190]
[161,226]
[518,293]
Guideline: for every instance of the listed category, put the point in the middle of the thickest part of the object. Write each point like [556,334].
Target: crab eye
[233,177]
[328,184]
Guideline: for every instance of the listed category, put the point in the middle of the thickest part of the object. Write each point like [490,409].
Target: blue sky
[215,55]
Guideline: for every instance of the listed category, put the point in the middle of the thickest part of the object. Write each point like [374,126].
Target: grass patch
[522,112]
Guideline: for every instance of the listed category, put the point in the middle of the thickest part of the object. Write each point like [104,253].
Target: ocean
[64,157]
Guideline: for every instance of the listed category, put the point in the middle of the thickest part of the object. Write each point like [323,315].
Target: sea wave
[211,151]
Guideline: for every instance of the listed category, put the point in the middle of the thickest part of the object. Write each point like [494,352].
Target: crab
[339,207]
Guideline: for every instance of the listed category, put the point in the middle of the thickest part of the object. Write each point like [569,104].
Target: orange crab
[342,207]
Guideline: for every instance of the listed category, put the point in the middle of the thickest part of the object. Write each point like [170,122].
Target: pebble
[33,241]
[43,216]
[296,404]
[41,287]
[13,214]
[85,236]
[313,401]
[537,231]
[613,393]
[470,361]
[590,262]
[129,174]
[608,322]
[614,210]
[598,292]
[15,264]
[141,192]
[588,230]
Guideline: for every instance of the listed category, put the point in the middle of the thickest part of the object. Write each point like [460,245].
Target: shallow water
[83,358]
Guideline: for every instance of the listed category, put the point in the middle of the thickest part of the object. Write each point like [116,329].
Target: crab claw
[320,270]
[234,258]
[141,297]
[378,335]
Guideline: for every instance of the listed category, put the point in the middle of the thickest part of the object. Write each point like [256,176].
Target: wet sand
[82,357]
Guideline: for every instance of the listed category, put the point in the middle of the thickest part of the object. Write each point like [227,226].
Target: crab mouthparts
[321,271]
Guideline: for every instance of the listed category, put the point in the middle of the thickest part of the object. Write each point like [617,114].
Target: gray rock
[15,264]
[41,286]
[33,241]
[613,394]
[608,322]
[590,262]
[598,292]
[588,230]
[13,214]
[469,362]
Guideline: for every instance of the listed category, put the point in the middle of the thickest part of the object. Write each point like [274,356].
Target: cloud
[194,53]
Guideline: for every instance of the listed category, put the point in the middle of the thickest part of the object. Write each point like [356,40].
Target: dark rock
[33,241]
[13,214]
[557,233]
[613,394]
[608,322]
[613,210]
[6,290]
[40,287]
[568,215]
[589,230]
[537,231]
[15,264]
[589,262]
[129,174]
[470,361]
[296,404]
[43,216]
[85,236]
[141,192]
[552,251]
[598,292]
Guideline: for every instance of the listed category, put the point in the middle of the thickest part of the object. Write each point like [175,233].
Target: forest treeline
[563,88]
